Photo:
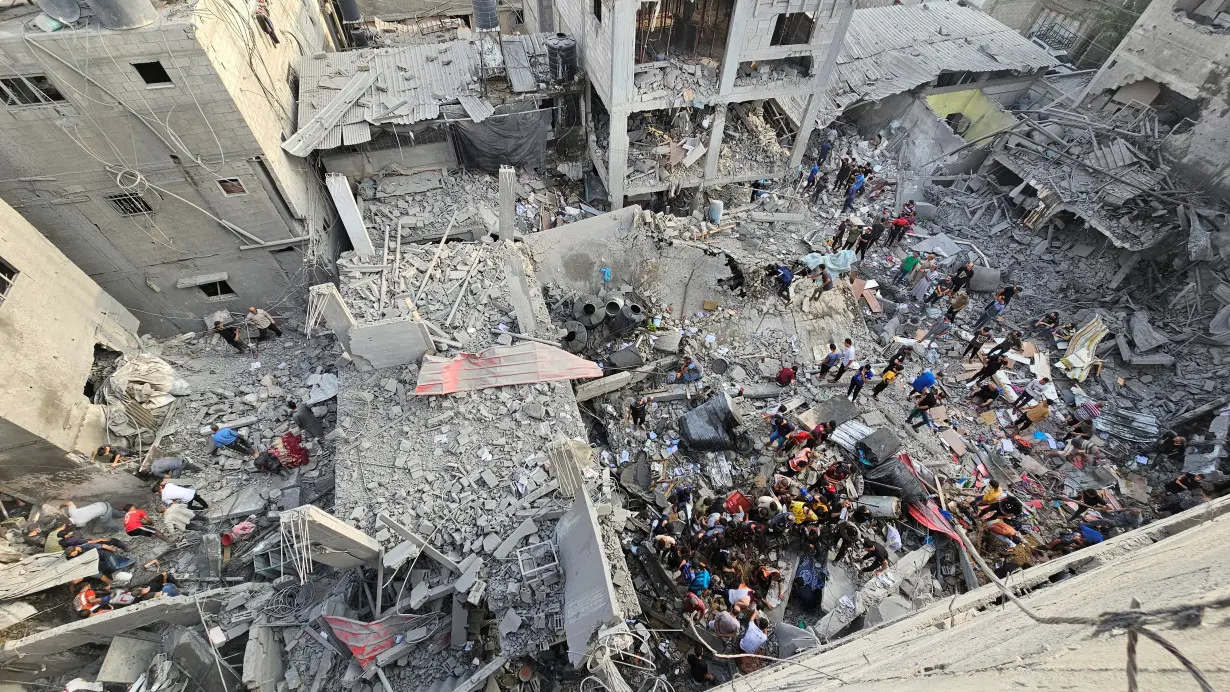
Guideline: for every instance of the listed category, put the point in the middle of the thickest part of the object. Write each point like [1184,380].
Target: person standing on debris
[261,320]
[847,536]
[698,667]
[877,230]
[1035,390]
[992,311]
[306,420]
[1084,415]
[875,557]
[779,429]
[865,239]
[839,233]
[1012,342]
[138,523]
[822,184]
[852,191]
[909,210]
[975,344]
[943,289]
[907,266]
[856,383]
[172,493]
[225,437]
[956,304]
[812,175]
[230,335]
[923,285]
[1008,293]
[831,359]
[962,277]
[843,173]
[922,407]
[897,230]
[847,357]
[689,371]
[784,278]
[992,366]
[826,148]
[1033,414]
[638,410]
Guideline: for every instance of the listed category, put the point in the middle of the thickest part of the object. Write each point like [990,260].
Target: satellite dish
[67,11]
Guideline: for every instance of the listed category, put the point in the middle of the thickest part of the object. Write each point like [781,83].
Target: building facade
[1174,64]
[52,318]
[719,61]
[151,155]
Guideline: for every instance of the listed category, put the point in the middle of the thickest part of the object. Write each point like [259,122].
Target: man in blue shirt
[225,437]
[830,360]
[784,278]
[856,383]
[927,379]
[825,148]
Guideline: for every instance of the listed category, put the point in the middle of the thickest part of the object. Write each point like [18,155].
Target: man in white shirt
[755,637]
[1035,391]
[172,493]
[99,512]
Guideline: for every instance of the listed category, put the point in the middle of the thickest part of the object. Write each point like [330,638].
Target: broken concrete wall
[573,256]
[361,164]
[589,598]
[53,315]
[1167,47]
[928,136]
[985,116]
[386,343]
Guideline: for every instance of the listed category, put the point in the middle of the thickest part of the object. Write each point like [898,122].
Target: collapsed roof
[888,50]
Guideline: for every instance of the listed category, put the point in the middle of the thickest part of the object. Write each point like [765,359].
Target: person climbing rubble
[231,336]
[225,437]
[261,321]
[306,420]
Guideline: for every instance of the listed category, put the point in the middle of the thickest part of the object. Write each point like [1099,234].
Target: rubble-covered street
[507,441]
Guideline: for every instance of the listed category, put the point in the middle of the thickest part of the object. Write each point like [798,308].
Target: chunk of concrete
[129,657]
[428,549]
[526,528]
[511,622]
[460,617]
[985,279]
[391,342]
[466,580]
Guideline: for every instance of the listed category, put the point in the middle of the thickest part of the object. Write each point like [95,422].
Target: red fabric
[928,514]
[133,519]
[289,451]
[737,501]
[368,639]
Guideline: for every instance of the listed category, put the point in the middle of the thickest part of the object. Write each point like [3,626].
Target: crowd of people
[717,546]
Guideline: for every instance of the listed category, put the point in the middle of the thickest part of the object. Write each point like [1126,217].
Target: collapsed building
[481,513]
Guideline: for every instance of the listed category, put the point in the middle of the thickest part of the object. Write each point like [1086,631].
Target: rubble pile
[786,73]
[751,145]
[684,80]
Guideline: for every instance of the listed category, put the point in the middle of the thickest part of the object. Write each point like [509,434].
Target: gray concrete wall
[50,319]
[929,136]
[356,165]
[972,644]
[589,597]
[1192,61]
[214,121]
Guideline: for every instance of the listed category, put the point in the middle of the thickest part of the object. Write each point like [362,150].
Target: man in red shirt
[897,230]
[138,523]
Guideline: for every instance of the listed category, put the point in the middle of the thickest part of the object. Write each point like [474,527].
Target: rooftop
[892,49]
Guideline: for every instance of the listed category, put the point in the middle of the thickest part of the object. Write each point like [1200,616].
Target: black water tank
[562,57]
[486,15]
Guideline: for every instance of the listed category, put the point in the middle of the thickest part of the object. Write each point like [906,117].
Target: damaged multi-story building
[681,91]
[145,143]
[1169,72]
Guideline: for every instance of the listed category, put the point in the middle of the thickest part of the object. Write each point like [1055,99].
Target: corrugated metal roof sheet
[888,50]
[412,81]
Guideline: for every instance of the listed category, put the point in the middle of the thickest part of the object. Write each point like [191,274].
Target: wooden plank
[954,441]
[873,304]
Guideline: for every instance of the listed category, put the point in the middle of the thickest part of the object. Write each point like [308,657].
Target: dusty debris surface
[559,467]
